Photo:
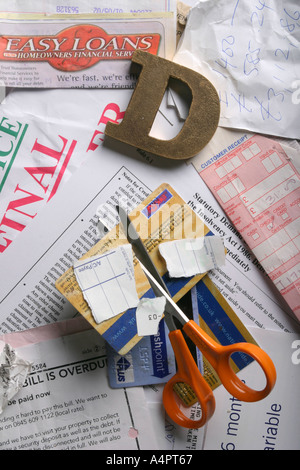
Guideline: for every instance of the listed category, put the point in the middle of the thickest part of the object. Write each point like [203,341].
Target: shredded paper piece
[13,372]
[189,257]
[107,282]
[149,312]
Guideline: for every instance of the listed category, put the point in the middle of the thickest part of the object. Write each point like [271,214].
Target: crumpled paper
[13,373]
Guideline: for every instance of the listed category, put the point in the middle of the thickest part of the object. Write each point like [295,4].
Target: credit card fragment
[163,216]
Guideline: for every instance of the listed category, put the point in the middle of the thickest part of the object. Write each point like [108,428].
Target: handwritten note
[250,51]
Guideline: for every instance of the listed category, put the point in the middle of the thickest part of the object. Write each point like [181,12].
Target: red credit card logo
[76,48]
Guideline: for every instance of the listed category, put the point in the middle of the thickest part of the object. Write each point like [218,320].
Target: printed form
[272,423]
[258,186]
[102,430]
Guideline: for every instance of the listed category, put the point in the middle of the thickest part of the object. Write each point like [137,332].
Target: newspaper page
[28,295]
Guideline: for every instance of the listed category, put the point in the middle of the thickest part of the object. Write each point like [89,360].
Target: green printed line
[13,158]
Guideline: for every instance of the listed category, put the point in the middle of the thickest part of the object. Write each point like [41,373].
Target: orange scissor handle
[219,357]
[187,372]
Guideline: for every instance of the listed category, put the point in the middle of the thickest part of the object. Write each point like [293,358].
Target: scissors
[216,354]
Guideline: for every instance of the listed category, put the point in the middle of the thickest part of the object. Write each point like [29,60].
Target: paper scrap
[107,282]
[13,372]
[255,74]
[148,315]
[188,257]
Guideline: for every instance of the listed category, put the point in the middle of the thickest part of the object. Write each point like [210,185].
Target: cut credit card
[163,216]
[149,362]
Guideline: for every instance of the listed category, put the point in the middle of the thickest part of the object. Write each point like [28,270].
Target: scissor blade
[139,247]
[171,309]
